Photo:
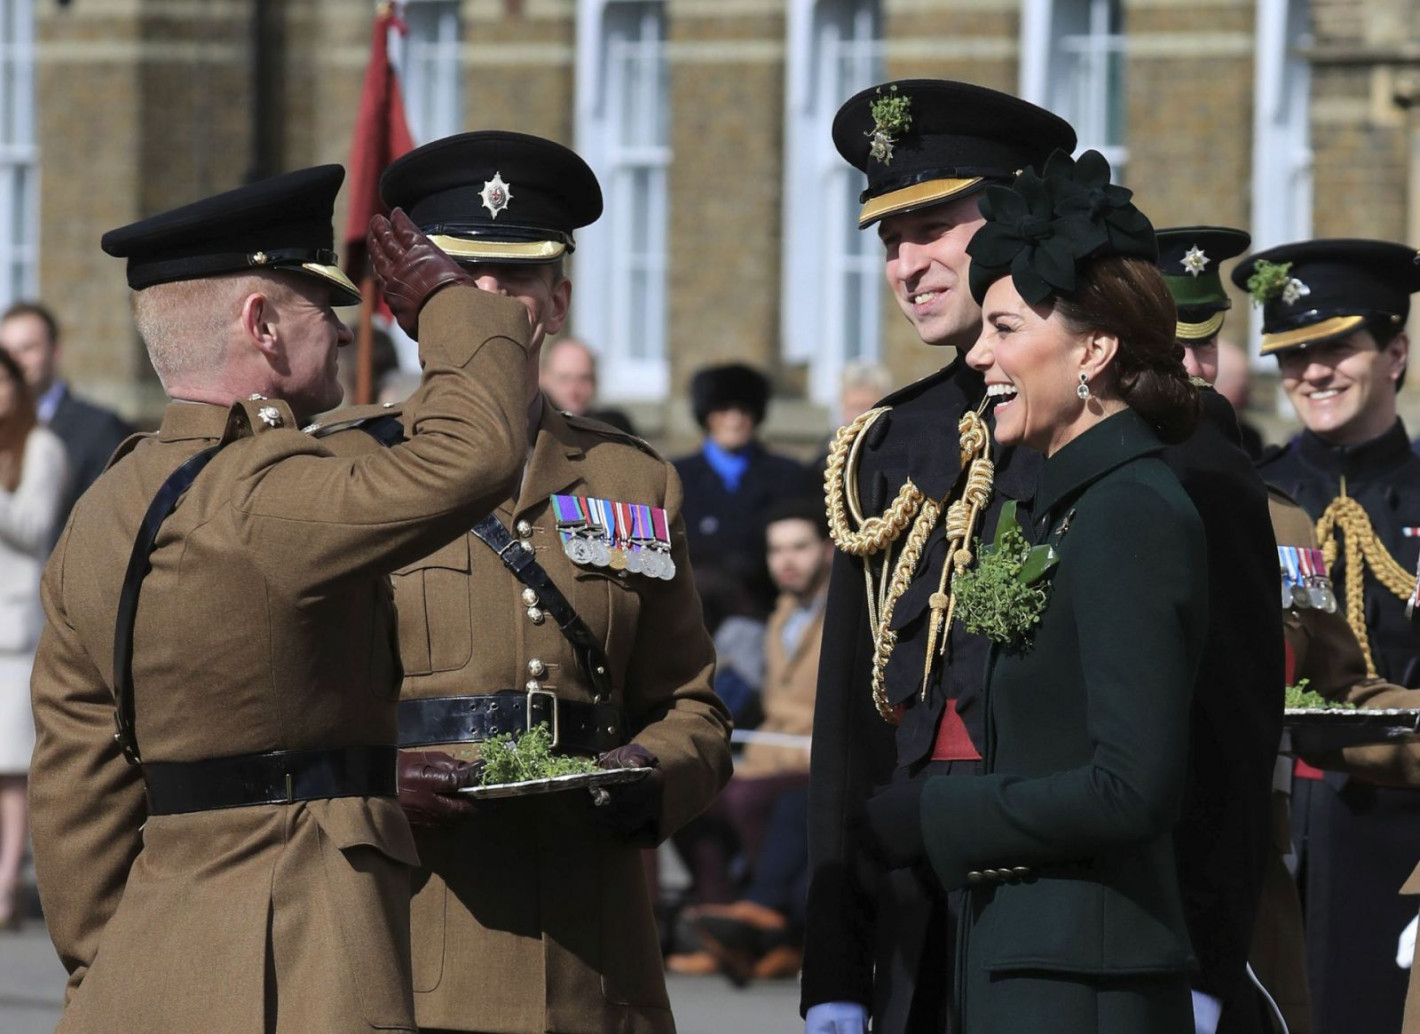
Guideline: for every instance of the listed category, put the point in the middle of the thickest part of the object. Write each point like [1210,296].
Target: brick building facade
[728,232]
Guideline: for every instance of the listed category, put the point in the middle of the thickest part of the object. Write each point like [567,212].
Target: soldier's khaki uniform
[529,917]
[266,624]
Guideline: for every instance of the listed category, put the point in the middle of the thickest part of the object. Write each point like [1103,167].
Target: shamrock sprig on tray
[1299,696]
[529,756]
[1004,596]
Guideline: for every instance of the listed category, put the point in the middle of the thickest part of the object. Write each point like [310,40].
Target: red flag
[381,136]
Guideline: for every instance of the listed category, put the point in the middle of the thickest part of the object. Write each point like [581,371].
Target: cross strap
[159,509]
[591,658]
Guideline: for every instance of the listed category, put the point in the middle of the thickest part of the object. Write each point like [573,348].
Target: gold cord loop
[1346,517]
[874,535]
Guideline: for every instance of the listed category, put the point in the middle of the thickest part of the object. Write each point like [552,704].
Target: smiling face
[926,267]
[1032,365]
[1344,390]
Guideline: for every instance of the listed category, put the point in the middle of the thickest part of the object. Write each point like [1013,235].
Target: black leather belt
[576,726]
[277,777]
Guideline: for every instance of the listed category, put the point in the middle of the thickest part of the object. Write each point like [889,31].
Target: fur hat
[733,385]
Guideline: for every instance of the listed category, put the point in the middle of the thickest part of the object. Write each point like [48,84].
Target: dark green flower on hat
[1040,228]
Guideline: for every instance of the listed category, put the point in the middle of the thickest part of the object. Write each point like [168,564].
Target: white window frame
[429,61]
[827,263]
[1282,160]
[19,154]
[626,326]
[1051,32]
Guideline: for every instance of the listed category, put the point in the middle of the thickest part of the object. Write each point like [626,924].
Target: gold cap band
[499,251]
[1200,331]
[1323,331]
[926,193]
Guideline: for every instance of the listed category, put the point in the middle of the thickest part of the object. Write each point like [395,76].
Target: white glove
[1405,947]
[1206,1010]
[836,1018]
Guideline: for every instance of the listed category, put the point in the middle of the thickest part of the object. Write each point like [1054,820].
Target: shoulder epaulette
[583,423]
[380,420]
[128,445]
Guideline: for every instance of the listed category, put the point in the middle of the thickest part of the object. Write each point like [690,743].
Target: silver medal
[601,553]
[579,550]
[1300,598]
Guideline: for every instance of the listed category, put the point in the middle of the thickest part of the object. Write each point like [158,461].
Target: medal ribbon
[623,524]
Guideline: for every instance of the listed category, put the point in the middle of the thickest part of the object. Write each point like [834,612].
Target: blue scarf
[729,466]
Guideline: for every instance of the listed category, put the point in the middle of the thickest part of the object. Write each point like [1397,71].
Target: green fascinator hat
[1040,228]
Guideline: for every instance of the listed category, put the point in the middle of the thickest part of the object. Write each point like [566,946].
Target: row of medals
[633,557]
[1314,594]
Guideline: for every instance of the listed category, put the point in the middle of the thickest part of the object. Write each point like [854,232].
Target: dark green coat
[1087,740]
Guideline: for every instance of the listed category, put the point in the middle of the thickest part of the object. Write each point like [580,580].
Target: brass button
[536,668]
[532,685]
[529,598]
[524,529]
[527,545]
[536,616]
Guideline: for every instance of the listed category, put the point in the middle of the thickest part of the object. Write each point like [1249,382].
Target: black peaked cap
[495,195]
[279,223]
[959,137]
[1332,288]
[731,385]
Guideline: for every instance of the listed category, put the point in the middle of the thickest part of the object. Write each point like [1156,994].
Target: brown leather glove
[408,268]
[633,810]
[428,781]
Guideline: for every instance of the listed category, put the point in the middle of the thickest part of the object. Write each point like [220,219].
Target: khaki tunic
[266,624]
[528,917]
[1325,651]
[790,684]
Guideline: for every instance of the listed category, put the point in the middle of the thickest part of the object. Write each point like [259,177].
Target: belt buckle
[556,723]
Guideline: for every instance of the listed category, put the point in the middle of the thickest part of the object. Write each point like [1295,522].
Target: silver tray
[556,784]
[1313,730]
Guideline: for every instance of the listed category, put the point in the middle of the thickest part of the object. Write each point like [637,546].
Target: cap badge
[496,194]
[891,117]
[1195,261]
[1271,280]
[1294,291]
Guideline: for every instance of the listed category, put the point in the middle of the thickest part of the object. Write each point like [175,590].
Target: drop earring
[1084,389]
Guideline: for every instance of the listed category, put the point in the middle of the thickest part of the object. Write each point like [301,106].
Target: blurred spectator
[568,377]
[1231,381]
[860,387]
[738,824]
[90,433]
[733,480]
[739,645]
[32,484]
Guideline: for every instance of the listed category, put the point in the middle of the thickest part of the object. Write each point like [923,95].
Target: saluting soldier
[1225,834]
[1333,313]
[572,606]
[222,592]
